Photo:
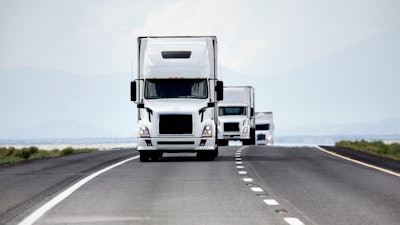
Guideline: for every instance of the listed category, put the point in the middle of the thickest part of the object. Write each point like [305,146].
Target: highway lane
[26,186]
[177,190]
[324,188]
[287,185]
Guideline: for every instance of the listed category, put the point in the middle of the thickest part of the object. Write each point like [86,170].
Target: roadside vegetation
[375,147]
[10,155]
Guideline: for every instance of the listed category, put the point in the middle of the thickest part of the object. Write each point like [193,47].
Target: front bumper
[176,144]
[233,136]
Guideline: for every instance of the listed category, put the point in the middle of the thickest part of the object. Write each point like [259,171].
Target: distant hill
[359,84]
[388,126]
[48,99]
[353,87]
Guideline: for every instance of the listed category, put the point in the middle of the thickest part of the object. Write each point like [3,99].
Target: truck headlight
[245,129]
[207,132]
[144,131]
[268,138]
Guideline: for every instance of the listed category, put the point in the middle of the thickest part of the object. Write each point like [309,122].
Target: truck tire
[206,155]
[223,142]
[144,156]
[252,136]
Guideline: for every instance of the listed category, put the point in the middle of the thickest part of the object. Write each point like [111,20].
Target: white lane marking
[238,162]
[271,202]
[246,179]
[293,221]
[242,172]
[257,189]
[32,218]
[238,159]
[359,162]
[242,148]
[240,167]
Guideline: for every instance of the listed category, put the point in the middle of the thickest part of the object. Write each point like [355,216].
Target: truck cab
[236,115]
[177,92]
[264,128]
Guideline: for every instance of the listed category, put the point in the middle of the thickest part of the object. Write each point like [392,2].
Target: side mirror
[220,90]
[133,91]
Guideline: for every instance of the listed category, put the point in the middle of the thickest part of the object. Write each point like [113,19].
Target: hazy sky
[261,37]
[272,40]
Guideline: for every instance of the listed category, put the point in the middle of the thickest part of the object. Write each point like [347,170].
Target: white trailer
[264,128]
[236,115]
[176,92]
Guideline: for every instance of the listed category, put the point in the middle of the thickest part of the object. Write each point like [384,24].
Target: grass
[375,147]
[11,155]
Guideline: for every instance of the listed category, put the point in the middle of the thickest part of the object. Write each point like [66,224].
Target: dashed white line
[31,219]
[271,202]
[293,221]
[246,179]
[257,189]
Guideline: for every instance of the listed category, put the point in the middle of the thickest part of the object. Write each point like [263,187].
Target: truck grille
[231,126]
[261,137]
[175,124]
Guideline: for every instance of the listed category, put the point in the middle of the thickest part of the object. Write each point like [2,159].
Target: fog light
[148,143]
[203,142]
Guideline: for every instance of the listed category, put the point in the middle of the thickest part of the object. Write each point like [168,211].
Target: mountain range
[353,91]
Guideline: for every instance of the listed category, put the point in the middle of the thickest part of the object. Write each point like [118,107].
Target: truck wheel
[252,136]
[223,142]
[144,156]
[206,155]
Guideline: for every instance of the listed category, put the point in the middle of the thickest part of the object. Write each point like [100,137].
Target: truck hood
[176,106]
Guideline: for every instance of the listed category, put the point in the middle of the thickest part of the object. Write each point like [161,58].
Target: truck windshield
[176,88]
[227,111]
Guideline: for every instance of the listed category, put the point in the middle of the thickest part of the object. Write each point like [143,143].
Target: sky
[262,38]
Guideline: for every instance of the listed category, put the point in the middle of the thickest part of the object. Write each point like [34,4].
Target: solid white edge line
[359,162]
[32,218]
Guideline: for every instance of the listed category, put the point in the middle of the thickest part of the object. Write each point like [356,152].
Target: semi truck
[177,92]
[236,115]
[264,128]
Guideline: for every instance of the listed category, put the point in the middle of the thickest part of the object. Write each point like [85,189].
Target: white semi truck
[177,92]
[236,115]
[264,128]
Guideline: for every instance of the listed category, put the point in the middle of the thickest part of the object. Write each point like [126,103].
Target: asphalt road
[251,185]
